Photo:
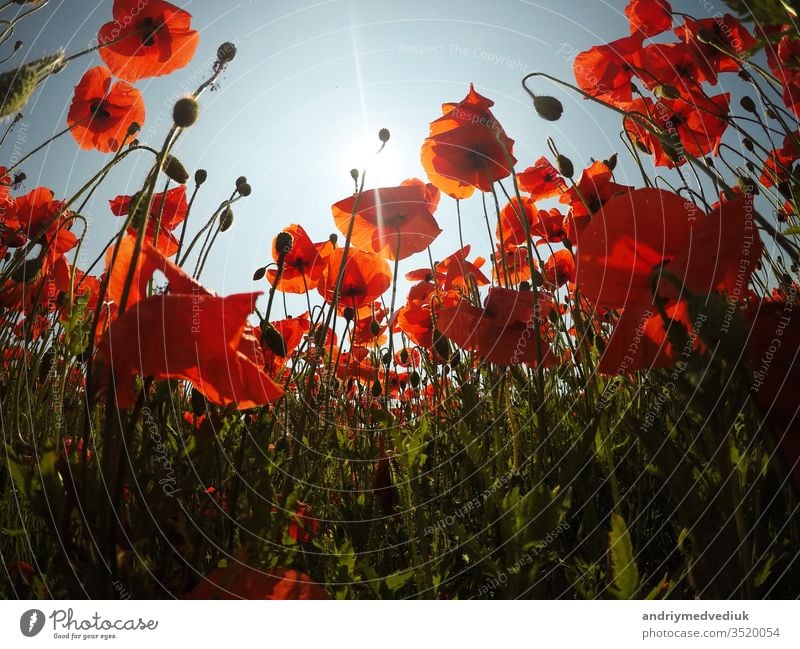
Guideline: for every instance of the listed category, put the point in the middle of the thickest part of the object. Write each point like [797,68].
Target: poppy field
[596,398]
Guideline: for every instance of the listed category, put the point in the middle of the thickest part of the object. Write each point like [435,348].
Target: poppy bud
[241,180]
[524,286]
[175,170]
[376,389]
[770,113]
[133,129]
[665,91]
[349,313]
[17,86]
[199,404]
[333,238]
[404,356]
[354,174]
[440,344]
[273,339]
[611,163]
[414,379]
[226,220]
[244,189]
[747,185]
[547,107]
[29,271]
[386,359]
[226,52]
[747,143]
[259,274]
[455,359]
[200,176]
[283,243]
[750,166]
[748,104]
[384,135]
[565,166]
[374,328]
[185,112]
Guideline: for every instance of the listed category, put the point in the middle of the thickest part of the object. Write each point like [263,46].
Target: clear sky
[312,81]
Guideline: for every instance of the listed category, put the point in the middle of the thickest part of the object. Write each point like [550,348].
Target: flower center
[98,110]
[149,28]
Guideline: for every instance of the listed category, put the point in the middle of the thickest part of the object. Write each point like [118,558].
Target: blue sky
[312,81]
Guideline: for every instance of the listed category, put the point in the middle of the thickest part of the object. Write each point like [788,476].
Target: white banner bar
[401,625]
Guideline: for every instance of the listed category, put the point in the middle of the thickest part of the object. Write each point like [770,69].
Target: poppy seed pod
[283,243]
[547,107]
[244,189]
[349,313]
[185,112]
[175,170]
[134,128]
[200,176]
[226,52]
[354,174]
[384,135]
[241,180]
[333,238]
[414,379]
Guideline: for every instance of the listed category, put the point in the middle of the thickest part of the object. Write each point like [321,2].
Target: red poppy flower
[515,221]
[292,331]
[716,42]
[511,265]
[394,222]
[190,334]
[541,181]
[101,113]
[605,71]
[366,277]
[502,332]
[649,17]
[415,318]
[303,526]
[650,239]
[551,226]
[672,65]
[594,188]
[467,148]
[778,164]
[302,265]
[167,211]
[695,129]
[147,39]
[238,581]
[559,269]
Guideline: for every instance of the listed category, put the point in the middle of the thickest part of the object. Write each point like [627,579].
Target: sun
[383,169]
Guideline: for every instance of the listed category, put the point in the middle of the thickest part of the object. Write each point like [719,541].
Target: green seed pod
[548,108]
[565,166]
[175,170]
[17,86]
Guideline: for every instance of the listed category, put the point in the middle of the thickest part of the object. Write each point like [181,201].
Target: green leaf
[794,230]
[399,579]
[623,565]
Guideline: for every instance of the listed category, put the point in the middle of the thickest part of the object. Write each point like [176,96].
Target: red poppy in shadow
[239,581]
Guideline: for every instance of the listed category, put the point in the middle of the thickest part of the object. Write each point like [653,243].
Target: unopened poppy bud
[414,379]
[374,328]
[748,104]
[185,112]
[565,166]
[133,129]
[611,163]
[200,176]
[226,220]
[349,313]
[536,278]
[404,356]
[666,91]
[547,107]
[354,174]
[17,86]
[259,274]
[455,359]
[333,238]
[750,166]
[770,113]
[226,52]
[744,75]
[747,185]
[376,389]
[175,170]
[273,339]
[747,143]
[440,344]
[386,359]
[283,243]
[241,180]
[244,189]
[384,135]
[524,286]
